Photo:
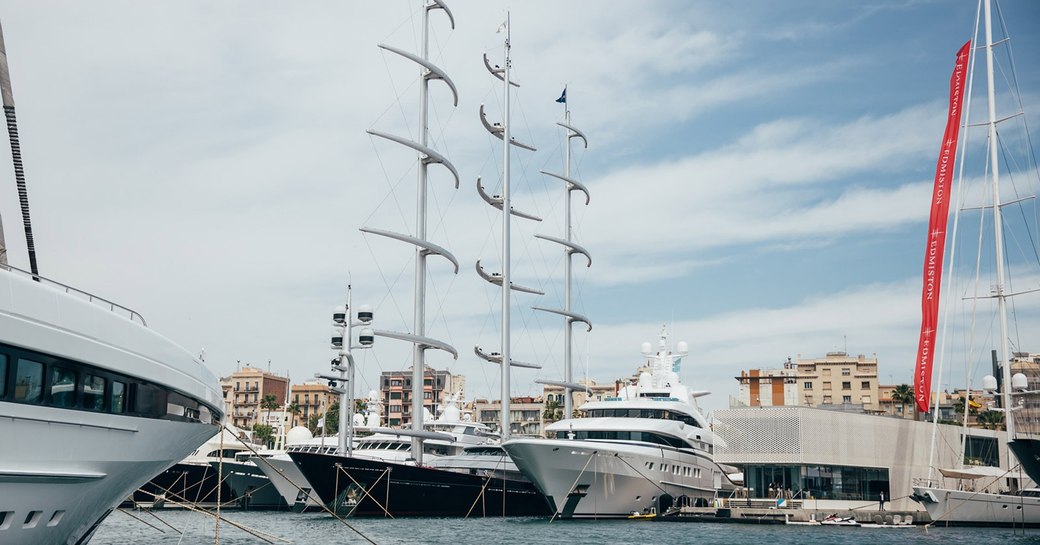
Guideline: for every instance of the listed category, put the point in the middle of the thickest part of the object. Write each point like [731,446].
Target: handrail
[133,314]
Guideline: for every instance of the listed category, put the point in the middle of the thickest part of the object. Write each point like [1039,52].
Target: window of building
[94,392]
[846,399]
[865,385]
[865,400]
[28,381]
[826,400]
[846,385]
[981,450]
[826,371]
[427,395]
[826,385]
[845,371]
[807,385]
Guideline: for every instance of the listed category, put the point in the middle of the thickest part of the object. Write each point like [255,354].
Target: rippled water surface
[279,527]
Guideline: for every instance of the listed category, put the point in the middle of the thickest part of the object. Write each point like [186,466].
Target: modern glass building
[805,453]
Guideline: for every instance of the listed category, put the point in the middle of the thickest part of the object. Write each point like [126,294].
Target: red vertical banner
[936,240]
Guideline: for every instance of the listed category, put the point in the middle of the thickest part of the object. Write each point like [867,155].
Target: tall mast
[506,243]
[502,202]
[570,248]
[423,247]
[998,233]
[419,316]
[16,156]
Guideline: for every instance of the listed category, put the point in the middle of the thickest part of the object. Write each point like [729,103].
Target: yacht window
[3,374]
[63,387]
[149,400]
[118,397]
[28,381]
[94,393]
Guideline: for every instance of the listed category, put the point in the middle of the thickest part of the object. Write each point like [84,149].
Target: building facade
[839,380]
[768,387]
[310,398]
[525,415]
[248,388]
[838,460]
[396,393]
[553,396]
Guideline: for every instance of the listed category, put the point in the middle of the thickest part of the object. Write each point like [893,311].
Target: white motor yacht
[92,404]
[648,448]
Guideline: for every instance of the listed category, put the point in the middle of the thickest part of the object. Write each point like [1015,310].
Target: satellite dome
[451,413]
[297,435]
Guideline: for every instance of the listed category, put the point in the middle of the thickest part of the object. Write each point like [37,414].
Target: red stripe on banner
[936,241]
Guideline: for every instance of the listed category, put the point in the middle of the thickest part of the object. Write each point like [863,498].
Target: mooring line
[320,503]
[571,489]
[141,520]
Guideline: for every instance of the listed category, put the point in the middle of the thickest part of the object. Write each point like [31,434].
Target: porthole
[56,518]
[32,519]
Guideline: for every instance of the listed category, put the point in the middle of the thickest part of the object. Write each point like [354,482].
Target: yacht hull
[1027,451]
[250,487]
[69,469]
[64,467]
[374,488]
[295,490]
[192,484]
[948,507]
[585,479]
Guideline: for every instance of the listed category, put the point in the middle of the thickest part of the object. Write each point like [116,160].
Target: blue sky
[760,173]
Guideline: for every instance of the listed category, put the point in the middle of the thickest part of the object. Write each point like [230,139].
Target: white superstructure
[648,448]
[92,405]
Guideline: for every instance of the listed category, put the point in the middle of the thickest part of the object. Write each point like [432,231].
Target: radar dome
[297,435]
[451,413]
[648,348]
[683,347]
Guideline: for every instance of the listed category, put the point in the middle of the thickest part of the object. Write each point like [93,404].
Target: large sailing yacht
[970,505]
[426,482]
[645,450]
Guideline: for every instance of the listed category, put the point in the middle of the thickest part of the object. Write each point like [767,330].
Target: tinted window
[94,393]
[150,400]
[63,387]
[3,374]
[28,381]
[118,397]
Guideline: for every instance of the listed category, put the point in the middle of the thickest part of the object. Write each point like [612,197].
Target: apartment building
[247,388]
[838,379]
[396,393]
[311,397]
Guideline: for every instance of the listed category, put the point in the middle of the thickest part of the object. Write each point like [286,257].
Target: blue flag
[563,97]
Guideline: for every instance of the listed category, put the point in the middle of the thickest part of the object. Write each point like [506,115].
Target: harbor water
[320,529]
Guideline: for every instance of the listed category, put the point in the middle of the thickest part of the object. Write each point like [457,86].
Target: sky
[760,175]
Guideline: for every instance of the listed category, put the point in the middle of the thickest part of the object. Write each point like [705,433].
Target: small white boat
[835,520]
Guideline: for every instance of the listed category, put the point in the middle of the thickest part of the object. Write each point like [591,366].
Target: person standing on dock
[882,504]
